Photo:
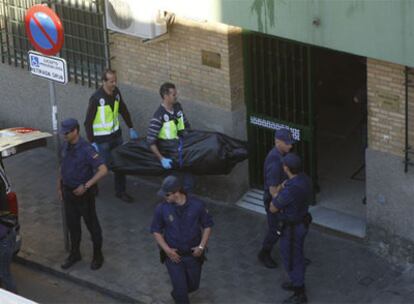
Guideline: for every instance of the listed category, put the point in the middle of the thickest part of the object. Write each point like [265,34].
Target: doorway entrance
[340,99]
[320,95]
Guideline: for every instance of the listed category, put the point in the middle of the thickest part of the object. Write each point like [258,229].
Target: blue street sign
[44,29]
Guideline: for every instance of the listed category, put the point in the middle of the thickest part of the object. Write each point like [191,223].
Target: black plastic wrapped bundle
[202,153]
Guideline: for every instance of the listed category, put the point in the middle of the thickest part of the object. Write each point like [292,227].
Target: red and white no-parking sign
[44,29]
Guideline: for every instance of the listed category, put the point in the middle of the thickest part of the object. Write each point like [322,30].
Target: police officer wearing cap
[169,123]
[291,204]
[102,125]
[181,226]
[273,177]
[81,168]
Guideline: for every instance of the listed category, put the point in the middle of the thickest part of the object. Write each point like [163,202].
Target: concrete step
[324,217]
[338,221]
[252,200]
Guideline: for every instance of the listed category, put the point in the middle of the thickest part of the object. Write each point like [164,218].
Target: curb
[105,291]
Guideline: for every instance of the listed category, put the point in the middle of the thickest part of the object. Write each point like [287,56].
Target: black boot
[266,259]
[97,260]
[299,296]
[73,257]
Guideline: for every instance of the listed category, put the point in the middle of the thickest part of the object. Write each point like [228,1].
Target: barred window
[86,45]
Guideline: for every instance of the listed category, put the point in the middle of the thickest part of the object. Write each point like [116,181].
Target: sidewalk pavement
[342,271]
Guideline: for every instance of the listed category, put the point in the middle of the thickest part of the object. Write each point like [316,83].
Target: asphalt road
[46,288]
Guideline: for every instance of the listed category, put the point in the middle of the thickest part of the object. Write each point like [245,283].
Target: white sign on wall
[49,67]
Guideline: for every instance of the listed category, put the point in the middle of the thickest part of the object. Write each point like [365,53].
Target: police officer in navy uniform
[273,177]
[81,168]
[291,203]
[181,226]
[103,128]
[169,123]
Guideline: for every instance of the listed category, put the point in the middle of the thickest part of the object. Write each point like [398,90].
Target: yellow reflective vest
[106,121]
[170,128]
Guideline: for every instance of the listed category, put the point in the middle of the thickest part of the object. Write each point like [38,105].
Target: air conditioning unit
[138,18]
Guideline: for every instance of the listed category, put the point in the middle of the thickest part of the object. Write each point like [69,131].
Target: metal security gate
[86,47]
[278,94]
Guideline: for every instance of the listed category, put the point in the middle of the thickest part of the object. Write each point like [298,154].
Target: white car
[13,141]
[11,298]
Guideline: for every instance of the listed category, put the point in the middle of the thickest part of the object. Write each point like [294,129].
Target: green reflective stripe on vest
[180,124]
[106,121]
[116,118]
[168,130]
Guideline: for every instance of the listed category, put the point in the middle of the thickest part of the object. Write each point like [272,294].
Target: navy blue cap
[68,125]
[170,184]
[292,161]
[285,135]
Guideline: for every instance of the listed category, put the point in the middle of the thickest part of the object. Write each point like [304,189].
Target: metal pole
[57,142]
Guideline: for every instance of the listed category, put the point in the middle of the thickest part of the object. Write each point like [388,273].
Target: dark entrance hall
[340,101]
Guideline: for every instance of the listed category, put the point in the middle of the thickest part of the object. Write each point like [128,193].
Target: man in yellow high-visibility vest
[102,125]
[167,123]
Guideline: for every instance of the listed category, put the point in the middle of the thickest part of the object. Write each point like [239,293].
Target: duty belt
[185,253]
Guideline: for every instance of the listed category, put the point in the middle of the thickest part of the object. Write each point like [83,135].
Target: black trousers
[77,207]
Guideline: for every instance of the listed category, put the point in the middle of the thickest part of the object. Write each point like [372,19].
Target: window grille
[86,42]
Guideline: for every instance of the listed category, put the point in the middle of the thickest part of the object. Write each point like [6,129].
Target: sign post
[45,32]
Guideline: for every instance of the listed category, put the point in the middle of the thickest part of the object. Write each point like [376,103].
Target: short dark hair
[295,170]
[106,72]
[165,88]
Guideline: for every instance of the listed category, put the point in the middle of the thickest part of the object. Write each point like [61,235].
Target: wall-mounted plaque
[211,59]
[389,101]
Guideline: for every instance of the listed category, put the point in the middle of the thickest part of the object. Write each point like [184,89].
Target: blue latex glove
[95,146]
[166,163]
[133,134]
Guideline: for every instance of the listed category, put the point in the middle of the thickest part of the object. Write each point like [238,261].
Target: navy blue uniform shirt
[293,200]
[273,169]
[181,225]
[79,162]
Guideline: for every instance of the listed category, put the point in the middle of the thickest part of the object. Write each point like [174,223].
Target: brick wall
[179,59]
[386,106]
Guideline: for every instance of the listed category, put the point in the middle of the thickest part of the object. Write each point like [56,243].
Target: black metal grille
[86,45]
[278,93]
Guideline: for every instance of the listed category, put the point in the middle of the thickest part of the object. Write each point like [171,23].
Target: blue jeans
[105,149]
[185,277]
[6,255]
